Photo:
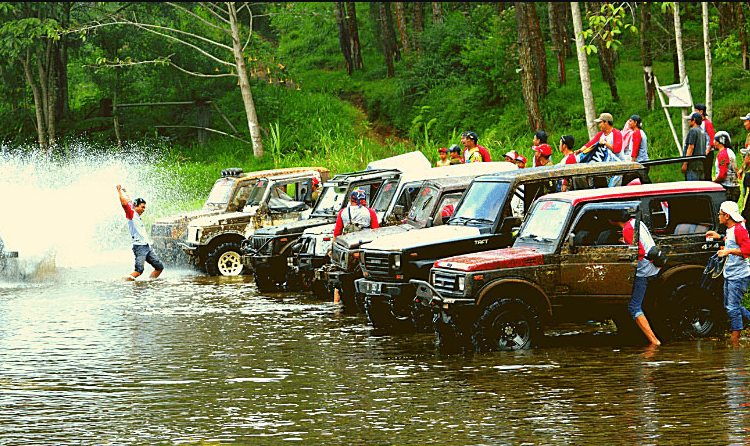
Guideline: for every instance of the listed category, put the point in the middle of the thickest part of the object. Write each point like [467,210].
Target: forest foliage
[429,71]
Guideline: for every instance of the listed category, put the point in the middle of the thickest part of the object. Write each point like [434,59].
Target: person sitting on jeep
[645,269]
[356,216]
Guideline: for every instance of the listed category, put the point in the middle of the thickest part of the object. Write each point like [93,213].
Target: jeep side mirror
[572,242]
[508,224]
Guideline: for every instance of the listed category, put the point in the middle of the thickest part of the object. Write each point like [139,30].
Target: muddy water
[86,358]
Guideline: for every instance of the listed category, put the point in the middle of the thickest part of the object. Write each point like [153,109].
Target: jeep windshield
[544,226]
[482,203]
[422,208]
[384,197]
[330,201]
[220,194]
[256,195]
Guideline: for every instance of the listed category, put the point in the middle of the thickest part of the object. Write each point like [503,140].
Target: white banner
[678,94]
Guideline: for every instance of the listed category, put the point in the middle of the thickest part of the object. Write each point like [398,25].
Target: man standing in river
[141,249]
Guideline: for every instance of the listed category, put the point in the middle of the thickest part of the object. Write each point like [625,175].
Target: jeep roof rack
[231,172]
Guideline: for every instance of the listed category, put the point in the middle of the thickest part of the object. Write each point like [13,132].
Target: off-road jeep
[569,264]
[484,219]
[434,196]
[228,194]
[214,242]
[391,204]
[7,265]
[269,249]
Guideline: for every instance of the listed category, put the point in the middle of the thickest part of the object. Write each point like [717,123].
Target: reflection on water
[86,358]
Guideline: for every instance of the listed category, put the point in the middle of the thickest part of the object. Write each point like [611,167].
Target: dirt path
[377,131]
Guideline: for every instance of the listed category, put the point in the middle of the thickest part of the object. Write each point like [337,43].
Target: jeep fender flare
[524,290]
[227,237]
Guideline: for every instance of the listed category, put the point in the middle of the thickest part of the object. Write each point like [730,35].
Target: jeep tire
[506,324]
[381,317]
[263,281]
[225,260]
[698,313]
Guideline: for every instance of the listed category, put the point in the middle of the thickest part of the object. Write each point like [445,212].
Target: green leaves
[607,25]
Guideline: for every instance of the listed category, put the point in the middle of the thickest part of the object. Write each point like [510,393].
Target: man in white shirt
[141,249]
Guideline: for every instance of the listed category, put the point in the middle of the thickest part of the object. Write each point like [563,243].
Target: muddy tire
[381,317]
[448,335]
[225,260]
[264,283]
[697,313]
[506,324]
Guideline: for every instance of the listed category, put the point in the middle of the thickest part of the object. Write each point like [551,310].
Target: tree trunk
[528,74]
[115,114]
[566,18]
[725,19]
[353,32]
[539,55]
[247,95]
[340,15]
[401,20]
[709,67]
[606,59]
[556,31]
[387,39]
[417,26]
[680,59]
[743,36]
[648,63]
[375,18]
[437,12]
[38,108]
[46,82]
[393,44]
[583,68]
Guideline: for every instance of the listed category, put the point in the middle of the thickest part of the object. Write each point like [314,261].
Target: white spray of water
[68,210]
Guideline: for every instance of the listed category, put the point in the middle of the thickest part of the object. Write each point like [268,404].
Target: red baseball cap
[521,158]
[543,149]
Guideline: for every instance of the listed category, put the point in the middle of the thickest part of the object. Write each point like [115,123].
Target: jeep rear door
[594,261]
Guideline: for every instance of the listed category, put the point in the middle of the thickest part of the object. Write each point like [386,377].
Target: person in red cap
[443,161]
[521,161]
[542,154]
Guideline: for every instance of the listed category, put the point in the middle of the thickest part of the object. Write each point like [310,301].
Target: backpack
[350,225]
[713,272]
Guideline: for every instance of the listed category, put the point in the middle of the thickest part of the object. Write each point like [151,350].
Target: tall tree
[339,12]
[417,26]
[680,58]
[604,49]
[353,32]
[743,35]
[539,55]
[556,36]
[648,65]
[388,38]
[709,67]
[529,82]
[583,68]
[401,20]
[437,12]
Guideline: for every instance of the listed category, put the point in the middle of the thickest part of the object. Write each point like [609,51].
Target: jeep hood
[415,239]
[185,216]
[495,259]
[294,227]
[320,230]
[357,239]
[224,219]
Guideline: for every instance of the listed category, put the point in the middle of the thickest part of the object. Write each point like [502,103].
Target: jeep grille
[259,242]
[308,245]
[377,264]
[445,282]
[161,231]
[338,256]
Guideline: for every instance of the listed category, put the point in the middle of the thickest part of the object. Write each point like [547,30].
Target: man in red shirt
[609,137]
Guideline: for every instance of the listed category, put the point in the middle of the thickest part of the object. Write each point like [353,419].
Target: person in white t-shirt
[141,249]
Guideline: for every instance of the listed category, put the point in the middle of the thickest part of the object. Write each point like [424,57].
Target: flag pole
[669,118]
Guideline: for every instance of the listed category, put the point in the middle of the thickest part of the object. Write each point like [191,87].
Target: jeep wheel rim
[512,334]
[698,321]
[230,264]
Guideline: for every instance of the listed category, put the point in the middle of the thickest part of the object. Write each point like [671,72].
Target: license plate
[375,287]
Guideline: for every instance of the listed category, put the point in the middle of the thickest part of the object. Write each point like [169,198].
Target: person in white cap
[736,270]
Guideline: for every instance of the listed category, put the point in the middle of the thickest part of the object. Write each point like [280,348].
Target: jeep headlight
[461,281]
[397,261]
[344,258]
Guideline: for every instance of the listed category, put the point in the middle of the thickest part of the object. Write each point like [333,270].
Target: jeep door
[594,261]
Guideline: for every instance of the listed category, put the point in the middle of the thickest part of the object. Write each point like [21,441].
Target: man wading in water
[141,249]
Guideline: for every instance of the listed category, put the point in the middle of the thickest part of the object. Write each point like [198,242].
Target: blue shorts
[144,253]
[640,286]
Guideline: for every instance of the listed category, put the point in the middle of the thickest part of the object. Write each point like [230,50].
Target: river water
[89,359]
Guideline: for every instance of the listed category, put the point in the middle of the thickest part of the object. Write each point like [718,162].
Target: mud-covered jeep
[269,249]
[491,208]
[434,196]
[391,204]
[569,264]
[228,194]
[214,242]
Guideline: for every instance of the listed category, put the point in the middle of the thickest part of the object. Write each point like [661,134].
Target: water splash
[67,211]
